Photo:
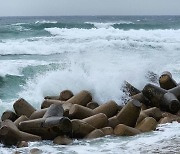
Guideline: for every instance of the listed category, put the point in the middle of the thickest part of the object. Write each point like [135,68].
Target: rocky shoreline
[67,117]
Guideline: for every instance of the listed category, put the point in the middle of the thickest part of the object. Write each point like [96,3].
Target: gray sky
[88,7]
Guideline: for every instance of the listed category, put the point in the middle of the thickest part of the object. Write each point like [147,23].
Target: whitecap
[45,21]
[15,67]
[108,24]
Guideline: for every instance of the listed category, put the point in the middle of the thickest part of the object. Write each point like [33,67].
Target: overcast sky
[88,7]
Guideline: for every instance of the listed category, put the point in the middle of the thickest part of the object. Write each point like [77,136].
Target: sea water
[42,56]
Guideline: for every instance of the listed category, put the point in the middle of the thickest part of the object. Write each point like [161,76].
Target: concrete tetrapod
[22,144]
[47,128]
[80,128]
[55,110]
[123,130]
[95,134]
[169,118]
[47,103]
[8,114]
[22,107]
[166,81]
[52,124]
[65,95]
[52,97]
[130,89]
[82,98]
[161,98]
[35,127]
[146,125]
[154,112]
[113,121]
[92,105]
[175,91]
[107,130]
[109,109]
[170,103]
[141,117]
[98,121]
[66,107]
[60,125]
[141,98]
[79,112]
[129,113]
[62,140]
[38,114]
[11,135]
[20,119]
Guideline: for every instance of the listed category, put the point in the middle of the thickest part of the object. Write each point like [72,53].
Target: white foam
[45,21]
[101,25]
[108,24]
[19,27]
[83,40]
[18,24]
[15,67]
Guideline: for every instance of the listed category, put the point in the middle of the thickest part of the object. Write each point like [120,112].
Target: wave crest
[108,24]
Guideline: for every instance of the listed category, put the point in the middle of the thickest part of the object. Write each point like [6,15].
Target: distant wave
[36,22]
[45,21]
[39,28]
[138,25]
[108,24]
[18,24]
[36,28]
[40,25]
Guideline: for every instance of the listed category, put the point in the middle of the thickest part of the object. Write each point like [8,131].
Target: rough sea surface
[42,56]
